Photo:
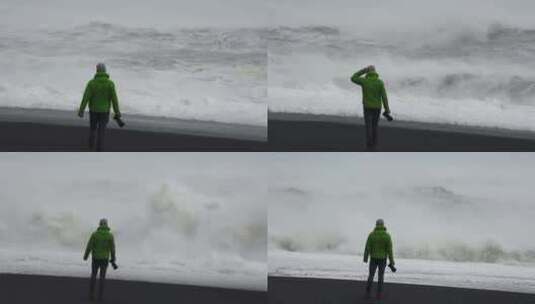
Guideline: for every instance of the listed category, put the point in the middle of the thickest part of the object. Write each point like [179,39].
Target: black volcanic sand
[299,132]
[285,290]
[17,136]
[33,289]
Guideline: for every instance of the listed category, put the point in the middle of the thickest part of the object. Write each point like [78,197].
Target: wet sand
[286,290]
[301,132]
[34,289]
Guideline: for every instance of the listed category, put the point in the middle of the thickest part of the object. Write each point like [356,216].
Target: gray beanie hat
[379,222]
[103,222]
[101,67]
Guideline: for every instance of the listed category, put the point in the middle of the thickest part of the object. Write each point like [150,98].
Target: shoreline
[53,130]
[304,132]
[283,290]
[23,288]
[407,124]
[136,122]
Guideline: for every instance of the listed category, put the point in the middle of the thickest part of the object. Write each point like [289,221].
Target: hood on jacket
[372,75]
[102,75]
[103,229]
[379,228]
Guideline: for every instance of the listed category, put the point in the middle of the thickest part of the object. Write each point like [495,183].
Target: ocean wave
[303,243]
[498,31]
[171,219]
[513,89]
[455,251]
[210,74]
[440,194]
[465,74]
[489,252]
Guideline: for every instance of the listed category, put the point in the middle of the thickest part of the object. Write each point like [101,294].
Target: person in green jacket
[379,248]
[100,95]
[373,98]
[101,246]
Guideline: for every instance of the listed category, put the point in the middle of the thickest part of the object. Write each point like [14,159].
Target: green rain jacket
[373,90]
[100,94]
[101,245]
[379,245]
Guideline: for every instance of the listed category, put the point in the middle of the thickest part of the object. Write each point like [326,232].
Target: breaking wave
[445,70]
[190,73]
[455,251]
[173,219]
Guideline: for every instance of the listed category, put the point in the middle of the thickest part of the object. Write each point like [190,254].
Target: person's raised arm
[367,250]
[356,78]
[115,101]
[384,98]
[85,99]
[88,247]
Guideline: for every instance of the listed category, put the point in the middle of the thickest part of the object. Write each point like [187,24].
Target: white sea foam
[173,219]
[163,60]
[444,212]
[448,71]
[515,278]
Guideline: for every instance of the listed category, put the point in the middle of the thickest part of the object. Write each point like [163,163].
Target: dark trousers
[374,264]
[371,119]
[98,266]
[97,128]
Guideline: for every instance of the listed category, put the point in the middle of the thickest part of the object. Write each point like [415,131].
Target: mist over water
[167,58]
[173,216]
[59,14]
[455,62]
[460,208]
[447,62]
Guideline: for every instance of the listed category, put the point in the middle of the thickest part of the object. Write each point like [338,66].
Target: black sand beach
[44,137]
[300,132]
[285,290]
[52,130]
[33,289]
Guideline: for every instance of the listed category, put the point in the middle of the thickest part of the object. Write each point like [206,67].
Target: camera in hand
[119,121]
[114,265]
[394,269]
[388,116]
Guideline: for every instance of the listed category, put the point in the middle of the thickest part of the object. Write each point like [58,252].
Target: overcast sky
[367,15]
[362,15]
[155,13]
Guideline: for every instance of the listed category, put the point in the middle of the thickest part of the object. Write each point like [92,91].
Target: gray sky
[359,14]
[394,14]
[156,13]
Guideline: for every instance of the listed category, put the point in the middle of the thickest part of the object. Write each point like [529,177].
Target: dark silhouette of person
[100,95]
[373,98]
[378,247]
[101,246]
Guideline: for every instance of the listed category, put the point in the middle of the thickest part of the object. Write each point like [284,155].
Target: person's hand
[81,114]
[365,260]
[117,115]
[370,68]
[387,111]
[85,258]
